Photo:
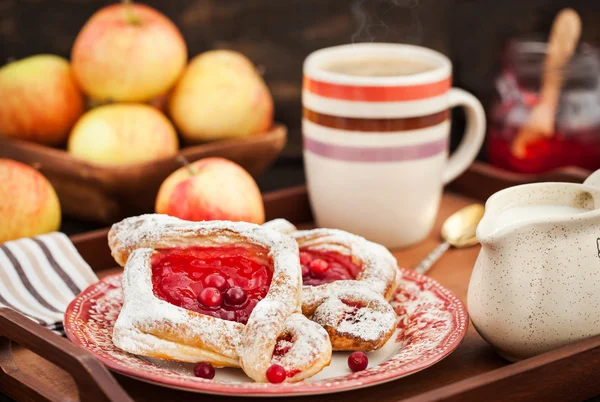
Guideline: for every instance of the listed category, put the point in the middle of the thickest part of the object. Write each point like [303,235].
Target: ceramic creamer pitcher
[536,282]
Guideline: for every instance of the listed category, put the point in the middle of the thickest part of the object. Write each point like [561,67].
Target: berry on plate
[276,374]
[358,361]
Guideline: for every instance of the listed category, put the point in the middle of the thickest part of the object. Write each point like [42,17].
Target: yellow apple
[40,101]
[220,95]
[29,205]
[123,134]
[128,52]
[211,189]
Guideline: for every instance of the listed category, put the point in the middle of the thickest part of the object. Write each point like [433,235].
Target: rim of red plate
[363,378]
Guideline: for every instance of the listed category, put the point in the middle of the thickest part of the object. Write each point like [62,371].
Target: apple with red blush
[40,100]
[29,205]
[122,134]
[220,95]
[128,52]
[211,189]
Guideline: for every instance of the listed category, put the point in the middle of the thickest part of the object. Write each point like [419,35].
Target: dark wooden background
[278,34]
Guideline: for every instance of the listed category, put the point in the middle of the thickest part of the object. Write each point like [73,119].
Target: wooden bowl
[105,195]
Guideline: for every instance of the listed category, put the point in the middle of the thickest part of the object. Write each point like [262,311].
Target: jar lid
[525,56]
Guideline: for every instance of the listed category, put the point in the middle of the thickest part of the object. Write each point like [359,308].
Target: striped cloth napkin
[40,276]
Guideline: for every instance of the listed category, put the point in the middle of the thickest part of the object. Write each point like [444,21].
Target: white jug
[536,283]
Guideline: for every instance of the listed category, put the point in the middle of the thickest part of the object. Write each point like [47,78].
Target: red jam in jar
[223,282]
[576,137]
[320,267]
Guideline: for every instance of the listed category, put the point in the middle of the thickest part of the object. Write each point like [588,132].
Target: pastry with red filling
[224,293]
[347,283]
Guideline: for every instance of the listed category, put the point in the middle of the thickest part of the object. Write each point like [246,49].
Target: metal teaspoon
[458,231]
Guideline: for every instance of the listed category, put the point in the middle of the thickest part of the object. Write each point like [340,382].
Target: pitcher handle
[474,134]
[593,180]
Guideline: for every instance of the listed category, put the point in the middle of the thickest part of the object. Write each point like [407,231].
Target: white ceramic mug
[376,146]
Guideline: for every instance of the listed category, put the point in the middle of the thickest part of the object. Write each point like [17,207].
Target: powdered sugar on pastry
[137,327]
[280,225]
[305,342]
[373,320]
[379,267]
[360,315]
[153,327]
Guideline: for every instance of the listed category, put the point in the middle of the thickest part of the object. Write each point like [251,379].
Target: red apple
[128,52]
[122,134]
[211,189]
[40,101]
[29,206]
[220,95]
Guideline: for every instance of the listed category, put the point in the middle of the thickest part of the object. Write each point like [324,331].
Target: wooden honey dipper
[565,34]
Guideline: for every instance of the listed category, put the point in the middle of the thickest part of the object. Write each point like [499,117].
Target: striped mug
[376,129]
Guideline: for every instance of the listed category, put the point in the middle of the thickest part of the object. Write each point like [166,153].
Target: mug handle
[474,134]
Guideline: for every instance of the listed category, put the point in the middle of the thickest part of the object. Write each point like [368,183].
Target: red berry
[305,258]
[210,297]
[204,370]
[235,296]
[358,361]
[318,267]
[276,374]
[215,281]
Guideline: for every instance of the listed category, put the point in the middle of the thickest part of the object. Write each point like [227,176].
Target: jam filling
[320,267]
[222,282]
[282,347]
[354,307]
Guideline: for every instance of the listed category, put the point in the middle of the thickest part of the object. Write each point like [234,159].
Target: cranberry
[204,370]
[178,280]
[358,361]
[276,374]
[210,297]
[235,296]
[305,258]
[215,281]
[318,267]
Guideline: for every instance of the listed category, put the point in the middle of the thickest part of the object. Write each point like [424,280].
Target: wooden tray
[472,372]
[107,194]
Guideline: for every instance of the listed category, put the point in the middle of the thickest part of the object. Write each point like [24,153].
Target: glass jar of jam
[576,137]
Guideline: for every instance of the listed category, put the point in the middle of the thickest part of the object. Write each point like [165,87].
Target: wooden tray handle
[93,380]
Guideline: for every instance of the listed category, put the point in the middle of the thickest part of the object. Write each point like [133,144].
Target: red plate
[433,321]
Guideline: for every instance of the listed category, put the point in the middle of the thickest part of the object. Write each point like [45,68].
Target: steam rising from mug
[371,26]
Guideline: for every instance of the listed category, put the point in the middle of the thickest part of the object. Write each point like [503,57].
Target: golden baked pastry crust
[355,313]
[150,326]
